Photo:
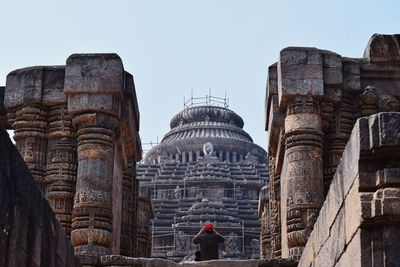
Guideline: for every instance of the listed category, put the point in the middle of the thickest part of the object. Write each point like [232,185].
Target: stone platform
[121,261]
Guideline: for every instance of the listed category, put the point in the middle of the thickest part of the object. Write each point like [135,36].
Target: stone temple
[206,169]
[328,194]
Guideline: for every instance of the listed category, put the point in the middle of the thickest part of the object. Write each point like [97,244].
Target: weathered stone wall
[358,224]
[30,234]
[76,127]
[313,99]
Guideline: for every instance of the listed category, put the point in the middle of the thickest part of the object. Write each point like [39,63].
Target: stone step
[117,260]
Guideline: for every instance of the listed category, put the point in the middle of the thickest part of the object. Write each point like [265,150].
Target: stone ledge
[122,261]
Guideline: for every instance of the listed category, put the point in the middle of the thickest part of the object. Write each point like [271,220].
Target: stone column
[220,155]
[300,88]
[342,119]
[234,157]
[94,85]
[61,167]
[24,99]
[92,213]
[304,173]
[274,209]
[265,233]
[184,155]
[29,126]
[36,107]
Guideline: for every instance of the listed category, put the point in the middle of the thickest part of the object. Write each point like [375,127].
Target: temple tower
[206,169]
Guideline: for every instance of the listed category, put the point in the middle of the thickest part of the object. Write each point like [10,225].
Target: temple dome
[195,126]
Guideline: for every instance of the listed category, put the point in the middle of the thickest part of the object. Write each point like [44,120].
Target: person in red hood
[208,239]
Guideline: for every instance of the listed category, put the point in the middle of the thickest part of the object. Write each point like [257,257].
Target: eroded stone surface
[76,127]
[313,99]
[359,219]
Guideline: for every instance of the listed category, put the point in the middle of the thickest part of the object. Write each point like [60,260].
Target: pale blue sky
[172,47]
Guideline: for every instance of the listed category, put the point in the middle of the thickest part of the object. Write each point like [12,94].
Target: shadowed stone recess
[30,235]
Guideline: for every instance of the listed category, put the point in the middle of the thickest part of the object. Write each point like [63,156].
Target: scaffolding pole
[152,238]
[174,233]
[243,236]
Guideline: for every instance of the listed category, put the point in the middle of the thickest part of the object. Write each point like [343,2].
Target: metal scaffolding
[208,100]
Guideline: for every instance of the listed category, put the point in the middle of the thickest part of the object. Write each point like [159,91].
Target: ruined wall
[76,127]
[313,99]
[358,224]
[30,235]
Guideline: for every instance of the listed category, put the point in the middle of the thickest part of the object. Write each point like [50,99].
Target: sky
[173,47]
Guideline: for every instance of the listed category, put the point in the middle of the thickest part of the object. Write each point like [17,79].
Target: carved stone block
[94,82]
[321,94]
[300,72]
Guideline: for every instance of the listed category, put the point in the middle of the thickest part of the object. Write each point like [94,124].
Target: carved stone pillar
[25,94]
[265,233]
[94,85]
[29,127]
[304,173]
[61,167]
[338,132]
[274,209]
[300,87]
[92,213]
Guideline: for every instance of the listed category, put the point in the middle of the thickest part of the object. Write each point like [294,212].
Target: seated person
[208,239]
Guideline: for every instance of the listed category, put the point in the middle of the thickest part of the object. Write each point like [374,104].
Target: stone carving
[232,246]
[76,128]
[361,192]
[180,241]
[177,192]
[303,172]
[208,149]
[28,150]
[369,101]
[251,158]
[314,98]
[372,102]
[238,193]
